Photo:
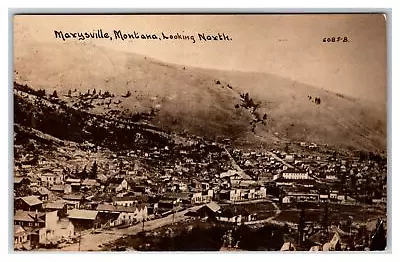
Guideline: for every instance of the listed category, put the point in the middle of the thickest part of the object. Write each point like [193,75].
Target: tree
[265,117]
[84,173]
[325,222]
[378,239]
[301,226]
[69,92]
[55,94]
[128,94]
[93,171]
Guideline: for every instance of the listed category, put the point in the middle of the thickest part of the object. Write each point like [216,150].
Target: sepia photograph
[200,132]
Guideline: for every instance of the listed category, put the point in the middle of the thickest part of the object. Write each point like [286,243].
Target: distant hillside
[204,102]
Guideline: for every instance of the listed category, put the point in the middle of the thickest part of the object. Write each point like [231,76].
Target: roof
[73,197]
[125,198]
[19,179]
[32,200]
[43,191]
[54,205]
[28,216]
[18,229]
[48,174]
[82,214]
[89,182]
[57,188]
[291,170]
[117,208]
[175,195]
[213,206]
[73,180]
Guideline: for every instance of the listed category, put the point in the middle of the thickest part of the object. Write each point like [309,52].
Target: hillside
[204,102]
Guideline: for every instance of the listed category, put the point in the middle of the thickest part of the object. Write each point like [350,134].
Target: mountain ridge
[205,101]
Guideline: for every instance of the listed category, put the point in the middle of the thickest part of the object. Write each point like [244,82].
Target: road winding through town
[93,242]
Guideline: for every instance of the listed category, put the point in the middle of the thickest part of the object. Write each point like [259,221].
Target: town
[327,200]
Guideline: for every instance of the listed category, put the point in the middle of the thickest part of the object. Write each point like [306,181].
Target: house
[58,206]
[117,184]
[62,189]
[331,177]
[341,198]
[73,200]
[57,229]
[176,198]
[180,187]
[83,219]
[90,184]
[289,158]
[64,229]
[323,197]
[197,198]
[300,197]
[21,240]
[202,197]
[231,195]
[125,201]
[126,215]
[254,193]
[29,218]
[39,226]
[235,214]
[294,175]
[230,174]
[72,181]
[28,203]
[20,182]
[43,193]
[286,200]
[75,184]
[141,189]
[49,179]
[209,210]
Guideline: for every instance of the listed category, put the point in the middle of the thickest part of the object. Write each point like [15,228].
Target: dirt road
[92,242]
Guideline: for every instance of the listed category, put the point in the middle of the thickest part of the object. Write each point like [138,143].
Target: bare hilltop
[245,107]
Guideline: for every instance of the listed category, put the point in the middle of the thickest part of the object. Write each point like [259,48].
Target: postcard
[200,132]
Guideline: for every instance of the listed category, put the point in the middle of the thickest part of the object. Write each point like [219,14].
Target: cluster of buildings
[55,205]
[317,177]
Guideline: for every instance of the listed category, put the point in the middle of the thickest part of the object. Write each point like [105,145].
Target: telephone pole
[79,241]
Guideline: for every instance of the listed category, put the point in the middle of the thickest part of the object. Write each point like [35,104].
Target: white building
[293,175]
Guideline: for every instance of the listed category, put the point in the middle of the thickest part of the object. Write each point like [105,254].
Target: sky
[286,45]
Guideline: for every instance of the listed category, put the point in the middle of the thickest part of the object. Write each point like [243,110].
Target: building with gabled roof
[28,203]
[83,219]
